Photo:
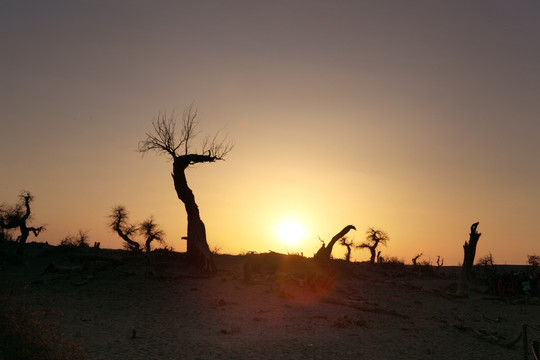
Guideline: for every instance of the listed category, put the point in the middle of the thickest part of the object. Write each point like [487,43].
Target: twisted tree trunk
[198,251]
[132,245]
[469,252]
[25,230]
[323,254]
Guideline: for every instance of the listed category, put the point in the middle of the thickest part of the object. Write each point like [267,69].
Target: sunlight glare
[291,232]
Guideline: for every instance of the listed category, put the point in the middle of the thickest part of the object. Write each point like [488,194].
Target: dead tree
[324,253]
[415,259]
[119,224]
[151,232]
[533,260]
[164,139]
[348,244]
[373,239]
[469,252]
[17,217]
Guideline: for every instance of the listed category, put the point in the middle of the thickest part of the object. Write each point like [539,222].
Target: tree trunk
[469,252]
[132,245]
[147,245]
[25,231]
[373,254]
[323,254]
[348,256]
[198,251]
[22,239]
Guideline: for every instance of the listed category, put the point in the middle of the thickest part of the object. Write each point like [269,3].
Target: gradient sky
[416,117]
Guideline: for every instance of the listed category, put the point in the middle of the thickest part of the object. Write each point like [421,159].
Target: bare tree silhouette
[533,260]
[164,139]
[151,232]
[469,252]
[373,239]
[17,217]
[324,252]
[119,224]
[415,259]
[486,260]
[348,244]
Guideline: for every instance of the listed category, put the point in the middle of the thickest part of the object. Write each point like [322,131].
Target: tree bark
[198,251]
[469,252]
[323,254]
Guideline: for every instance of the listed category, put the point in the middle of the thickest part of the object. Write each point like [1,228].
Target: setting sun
[291,232]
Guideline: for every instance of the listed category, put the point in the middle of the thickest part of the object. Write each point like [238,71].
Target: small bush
[486,260]
[81,240]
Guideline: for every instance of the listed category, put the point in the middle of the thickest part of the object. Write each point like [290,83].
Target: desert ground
[117,305]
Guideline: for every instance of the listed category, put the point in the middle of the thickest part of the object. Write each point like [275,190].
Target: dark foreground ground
[115,305]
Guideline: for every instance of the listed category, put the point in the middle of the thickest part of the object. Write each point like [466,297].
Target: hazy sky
[416,117]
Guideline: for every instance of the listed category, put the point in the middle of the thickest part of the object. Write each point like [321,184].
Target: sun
[291,232]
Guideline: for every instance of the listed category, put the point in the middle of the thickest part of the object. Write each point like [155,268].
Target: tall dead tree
[373,239]
[469,252]
[17,217]
[164,139]
[323,254]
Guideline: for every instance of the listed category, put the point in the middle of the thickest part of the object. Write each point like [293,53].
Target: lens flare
[291,232]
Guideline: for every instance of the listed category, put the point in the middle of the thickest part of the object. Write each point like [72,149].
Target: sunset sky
[415,117]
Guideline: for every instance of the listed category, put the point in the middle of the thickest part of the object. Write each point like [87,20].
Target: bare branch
[217,147]
[375,237]
[346,242]
[190,123]
[164,138]
[26,196]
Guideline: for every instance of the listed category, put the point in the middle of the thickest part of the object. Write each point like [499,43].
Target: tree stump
[469,252]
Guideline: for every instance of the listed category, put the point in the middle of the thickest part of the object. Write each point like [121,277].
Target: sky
[415,117]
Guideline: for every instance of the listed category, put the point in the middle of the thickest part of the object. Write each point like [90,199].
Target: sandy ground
[120,307]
